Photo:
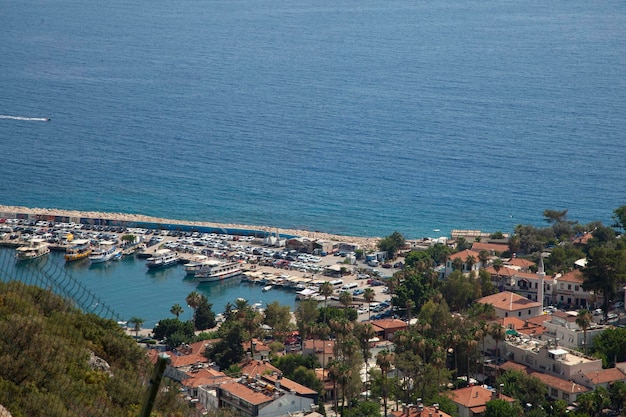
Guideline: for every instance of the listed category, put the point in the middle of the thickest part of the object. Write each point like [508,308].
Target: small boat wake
[26,119]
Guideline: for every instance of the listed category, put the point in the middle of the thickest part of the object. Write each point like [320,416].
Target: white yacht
[162,258]
[34,249]
[218,271]
[105,251]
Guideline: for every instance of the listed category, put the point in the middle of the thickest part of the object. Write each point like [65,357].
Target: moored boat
[79,249]
[34,249]
[162,258]
[106,251]
[267,287]
[218,271]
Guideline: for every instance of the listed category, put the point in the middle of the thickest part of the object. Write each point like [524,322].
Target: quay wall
[98,221]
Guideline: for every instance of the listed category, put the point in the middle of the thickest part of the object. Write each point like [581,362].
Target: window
[535,285]
[519,314]
[506,314]
[569,287]
[548,287]
[529,312]
[554,392]
[566,396]
[576,288]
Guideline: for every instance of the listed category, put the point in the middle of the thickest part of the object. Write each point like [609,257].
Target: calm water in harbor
[350,117]
[129,289]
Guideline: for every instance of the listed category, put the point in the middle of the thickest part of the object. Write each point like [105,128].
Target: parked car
[358,291]
[619,304]
[598,312]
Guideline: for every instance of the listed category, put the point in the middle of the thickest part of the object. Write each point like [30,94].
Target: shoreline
[365,242]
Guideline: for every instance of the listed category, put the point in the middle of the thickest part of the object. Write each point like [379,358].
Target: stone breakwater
[13,211]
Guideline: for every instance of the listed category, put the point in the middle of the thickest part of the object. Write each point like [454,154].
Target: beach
[12,211]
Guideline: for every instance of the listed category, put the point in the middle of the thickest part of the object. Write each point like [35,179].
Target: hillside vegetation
[57,361]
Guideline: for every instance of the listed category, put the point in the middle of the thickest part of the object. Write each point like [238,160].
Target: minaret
[540,276]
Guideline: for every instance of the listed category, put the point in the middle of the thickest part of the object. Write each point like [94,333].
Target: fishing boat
[106,251]
[162,258]
[35,248]
[79,249]
[218,271]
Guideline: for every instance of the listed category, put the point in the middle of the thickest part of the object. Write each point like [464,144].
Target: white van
[336,283]
[349,287]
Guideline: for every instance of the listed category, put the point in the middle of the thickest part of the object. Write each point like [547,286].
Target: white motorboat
[217,271]
[162,258]
[34,249]
[106,251]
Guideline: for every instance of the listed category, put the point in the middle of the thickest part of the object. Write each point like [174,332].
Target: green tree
[524,388]
[583,320]
[605,268]
[229,349]
[501,408]
[384,360]
[177,310]
[363,409]
[592,403]
[619,218]
[391,244]
[165,328]
[306,314]
[369,295]
[497,266]
[136,322]
[498,334]
[193,301]
[278,317]
[610,346]
[204,317]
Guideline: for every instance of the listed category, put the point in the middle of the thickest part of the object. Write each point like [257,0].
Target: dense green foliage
[45,365]
[392,244]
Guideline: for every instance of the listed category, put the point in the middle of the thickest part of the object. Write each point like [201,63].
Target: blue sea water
[129,289]
[353,117]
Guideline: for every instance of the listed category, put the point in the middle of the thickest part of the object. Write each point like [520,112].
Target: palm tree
[497,333]
[368,296]
[365,332]
[345,298]
[470,261]
[409,309]
[438,360]
[193,301]
[176,310]
[384,359]
[251,321]
[483,257]
[326,290]
[497,266]
[583,320]
[137,323]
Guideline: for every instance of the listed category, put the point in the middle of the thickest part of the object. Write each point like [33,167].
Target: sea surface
[350,117]
[126,288]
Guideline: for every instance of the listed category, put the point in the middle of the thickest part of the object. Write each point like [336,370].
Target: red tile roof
[474,396]
[520,262]
[559,383]
[605,375]
[463,255]
[490,247]
[205,376]
[247,394]
[389,324]
[509,301]
[574,276]
[290,385]
[254,367]
[327,345]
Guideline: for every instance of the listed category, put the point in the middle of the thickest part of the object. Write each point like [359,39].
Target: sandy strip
[364,242]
